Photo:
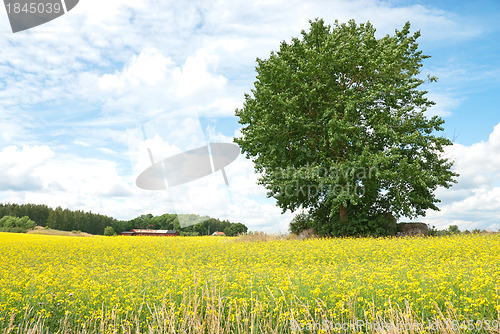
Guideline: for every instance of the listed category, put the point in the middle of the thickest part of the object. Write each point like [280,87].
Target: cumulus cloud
[151,82]
[20,167]
[474,201]
[38,173]
[148,68]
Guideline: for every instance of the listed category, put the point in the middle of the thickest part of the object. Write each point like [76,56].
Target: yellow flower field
[210,284]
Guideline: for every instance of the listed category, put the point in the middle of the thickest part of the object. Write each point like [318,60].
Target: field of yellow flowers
[62,284]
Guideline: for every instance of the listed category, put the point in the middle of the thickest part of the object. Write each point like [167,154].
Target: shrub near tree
[301,222]
[16,224]
[235,229]
[335,124]
[109,231]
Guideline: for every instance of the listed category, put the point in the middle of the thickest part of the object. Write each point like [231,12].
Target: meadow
[64,284]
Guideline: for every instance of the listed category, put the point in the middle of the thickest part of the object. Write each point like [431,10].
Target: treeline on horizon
[93,223]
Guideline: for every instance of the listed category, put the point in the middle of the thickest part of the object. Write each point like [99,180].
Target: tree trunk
[343,213]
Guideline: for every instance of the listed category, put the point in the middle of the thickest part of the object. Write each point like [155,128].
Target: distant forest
[68,220]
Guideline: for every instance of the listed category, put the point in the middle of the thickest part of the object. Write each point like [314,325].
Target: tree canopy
[336,124]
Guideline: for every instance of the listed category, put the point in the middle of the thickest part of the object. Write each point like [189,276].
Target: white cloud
[474,202]
[151,82]
[14,126]
[20,167]
[445,104]
[197,78]
[37,173]
[148,68]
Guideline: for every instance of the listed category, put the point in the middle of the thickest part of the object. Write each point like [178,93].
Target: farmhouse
[159,233]
[219,234]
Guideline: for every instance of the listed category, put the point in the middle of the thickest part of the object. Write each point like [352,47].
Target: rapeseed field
[52,284]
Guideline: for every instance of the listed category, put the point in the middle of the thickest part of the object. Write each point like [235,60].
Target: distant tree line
[58,218]
[453,229]
[69,220]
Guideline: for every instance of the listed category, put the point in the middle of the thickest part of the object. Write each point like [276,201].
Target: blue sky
[83,97]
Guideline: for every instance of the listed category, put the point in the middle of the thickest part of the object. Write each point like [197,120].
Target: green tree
[336,124]
[16,224]
[453,229]
[301,222]
[121,225]
[235,229]
[109,231]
